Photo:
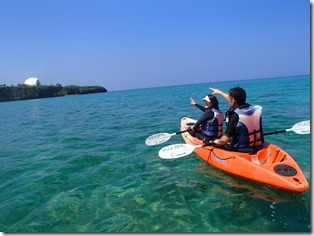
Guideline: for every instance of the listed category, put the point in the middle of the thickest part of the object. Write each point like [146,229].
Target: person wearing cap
[244,123]
[209,125]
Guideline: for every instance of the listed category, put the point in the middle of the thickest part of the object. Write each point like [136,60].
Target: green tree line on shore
[23,92]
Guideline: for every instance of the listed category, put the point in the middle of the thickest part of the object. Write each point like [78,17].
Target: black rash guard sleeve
[232,125]
[200,107]
[207,115]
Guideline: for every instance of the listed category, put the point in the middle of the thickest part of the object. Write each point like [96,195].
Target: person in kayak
[209,125]
[244,123]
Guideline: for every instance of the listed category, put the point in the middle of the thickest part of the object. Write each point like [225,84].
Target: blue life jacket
[213,127]
[249,132]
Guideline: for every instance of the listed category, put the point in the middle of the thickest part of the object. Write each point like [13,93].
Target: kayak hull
[271,165]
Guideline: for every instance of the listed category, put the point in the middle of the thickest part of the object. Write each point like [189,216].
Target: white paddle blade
[156,139]
[176,151]
[302,127]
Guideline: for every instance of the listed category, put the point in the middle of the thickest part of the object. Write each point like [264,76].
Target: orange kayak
[271,165]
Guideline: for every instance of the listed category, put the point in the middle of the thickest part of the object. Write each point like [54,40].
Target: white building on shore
[32,81]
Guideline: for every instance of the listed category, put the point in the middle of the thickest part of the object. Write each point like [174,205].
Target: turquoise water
[80,164]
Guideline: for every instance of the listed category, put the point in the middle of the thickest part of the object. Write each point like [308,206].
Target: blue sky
[127,44]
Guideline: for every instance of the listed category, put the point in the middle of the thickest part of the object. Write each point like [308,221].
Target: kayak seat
[271,157]
[252,150]
[246,150]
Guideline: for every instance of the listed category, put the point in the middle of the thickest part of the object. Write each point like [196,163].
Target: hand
[192,101]
[215,91]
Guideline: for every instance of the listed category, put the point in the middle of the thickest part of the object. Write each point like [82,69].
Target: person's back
[214,127]
[209,125]
[244,122]
[248,129]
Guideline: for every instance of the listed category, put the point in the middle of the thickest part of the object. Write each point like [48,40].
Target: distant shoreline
[26,92]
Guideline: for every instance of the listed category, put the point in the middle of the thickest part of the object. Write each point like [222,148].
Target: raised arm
[217,91]
[197,105]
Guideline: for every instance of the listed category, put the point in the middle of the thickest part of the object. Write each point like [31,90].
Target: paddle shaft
[277,132]
[270,133]
[180,132]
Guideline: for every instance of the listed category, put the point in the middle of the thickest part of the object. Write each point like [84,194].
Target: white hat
[206,99]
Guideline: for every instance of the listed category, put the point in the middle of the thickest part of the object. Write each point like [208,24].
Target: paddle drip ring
[285,170]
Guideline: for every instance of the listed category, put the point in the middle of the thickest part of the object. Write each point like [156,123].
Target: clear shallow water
[80,164]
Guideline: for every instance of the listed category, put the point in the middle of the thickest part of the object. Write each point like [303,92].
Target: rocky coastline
[24,92]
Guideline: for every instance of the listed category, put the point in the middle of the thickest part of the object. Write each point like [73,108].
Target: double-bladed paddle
[180,150]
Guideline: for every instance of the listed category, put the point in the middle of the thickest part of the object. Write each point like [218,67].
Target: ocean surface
[80,164]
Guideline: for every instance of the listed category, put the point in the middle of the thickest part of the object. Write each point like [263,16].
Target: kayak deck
[271,165]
